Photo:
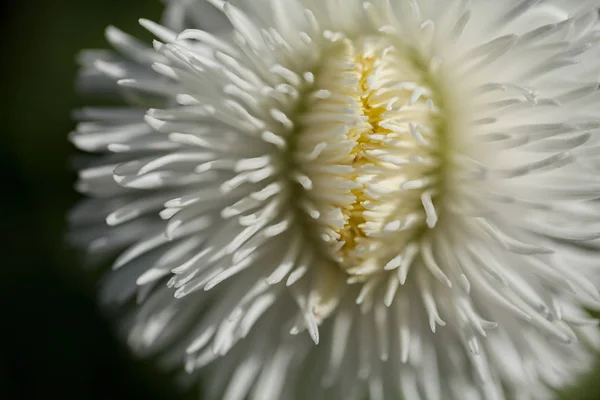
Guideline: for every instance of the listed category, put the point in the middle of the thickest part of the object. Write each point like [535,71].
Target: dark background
[54,341]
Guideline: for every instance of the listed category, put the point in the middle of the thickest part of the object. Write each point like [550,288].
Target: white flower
[412,182]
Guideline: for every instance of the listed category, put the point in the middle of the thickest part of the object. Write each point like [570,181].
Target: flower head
[413,183]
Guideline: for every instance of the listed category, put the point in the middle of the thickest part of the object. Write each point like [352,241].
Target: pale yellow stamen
[372,125]
[352,232]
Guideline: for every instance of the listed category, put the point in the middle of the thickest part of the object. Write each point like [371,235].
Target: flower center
[368,149]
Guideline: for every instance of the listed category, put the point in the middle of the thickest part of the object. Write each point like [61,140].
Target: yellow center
[368,145]
[352,231]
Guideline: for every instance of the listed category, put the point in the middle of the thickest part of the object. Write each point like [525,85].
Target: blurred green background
[56,342]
